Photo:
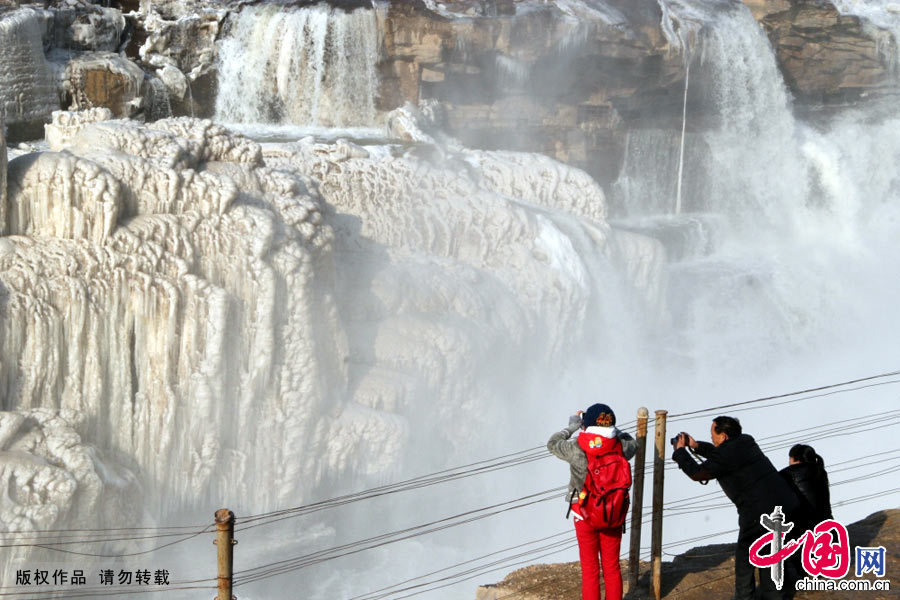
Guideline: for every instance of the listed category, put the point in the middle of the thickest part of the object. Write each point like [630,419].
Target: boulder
[104,79]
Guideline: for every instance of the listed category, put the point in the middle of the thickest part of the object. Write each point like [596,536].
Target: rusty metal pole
[637,504]
[659,468]
[225,543]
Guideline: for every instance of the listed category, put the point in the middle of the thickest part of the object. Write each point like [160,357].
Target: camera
[675,439]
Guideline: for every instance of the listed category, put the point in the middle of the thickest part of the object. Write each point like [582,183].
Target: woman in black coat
[806,475]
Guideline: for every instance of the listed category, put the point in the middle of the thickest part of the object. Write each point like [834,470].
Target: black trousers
[744,583]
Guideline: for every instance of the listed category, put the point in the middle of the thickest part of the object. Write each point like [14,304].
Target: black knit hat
[599,414]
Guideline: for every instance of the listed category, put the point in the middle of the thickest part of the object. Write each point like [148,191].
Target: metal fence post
[634,552]
[225,544]
[659,468]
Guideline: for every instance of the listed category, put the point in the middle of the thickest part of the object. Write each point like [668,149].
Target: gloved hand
[574,423]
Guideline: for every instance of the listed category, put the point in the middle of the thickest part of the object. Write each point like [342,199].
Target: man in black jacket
[749,480]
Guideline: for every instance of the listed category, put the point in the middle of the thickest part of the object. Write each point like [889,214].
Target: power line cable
[859,460]
[864,424]
[679,416]
[698,508]
[471,573]
[485,466]
[50,540]
[477,468]
[53,547]
[516,458]
[101,530]
[554,548]
[298,562]
[367,596]
[293,566]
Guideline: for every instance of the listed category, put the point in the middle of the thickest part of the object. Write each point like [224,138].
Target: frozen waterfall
[27,86]
[274,324]
[191,319]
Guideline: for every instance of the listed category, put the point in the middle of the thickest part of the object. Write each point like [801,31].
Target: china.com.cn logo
[825,552]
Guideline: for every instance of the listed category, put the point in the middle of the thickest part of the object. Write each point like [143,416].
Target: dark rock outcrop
[104,80]
[828,57]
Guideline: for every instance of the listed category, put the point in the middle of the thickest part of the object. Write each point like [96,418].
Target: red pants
[594,546]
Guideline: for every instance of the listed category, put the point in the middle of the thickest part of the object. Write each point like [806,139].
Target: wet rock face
[570,87]
[521,75]
[182,52]
[825,56]
[98,28]
[539,81]
[761,8]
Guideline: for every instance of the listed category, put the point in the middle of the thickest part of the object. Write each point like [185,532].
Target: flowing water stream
[310,66]
[779,249]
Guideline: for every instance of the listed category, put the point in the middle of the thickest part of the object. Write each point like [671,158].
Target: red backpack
[604,500]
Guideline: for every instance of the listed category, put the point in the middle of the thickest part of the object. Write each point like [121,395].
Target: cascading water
[304,66]
[687,80]
[225,323]
[782,265]
[745,175]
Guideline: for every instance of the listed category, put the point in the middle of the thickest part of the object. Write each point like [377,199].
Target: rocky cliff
[569,84]
[566,79]
[826,57]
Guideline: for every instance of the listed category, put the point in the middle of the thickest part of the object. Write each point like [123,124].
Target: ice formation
[27,87]
[175,311]
[260,326]
[451,260]
[307,66]
[175,285]
[85,26]
[186,44]
[49,475]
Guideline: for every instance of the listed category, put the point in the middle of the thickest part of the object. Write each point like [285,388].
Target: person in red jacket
[595,545]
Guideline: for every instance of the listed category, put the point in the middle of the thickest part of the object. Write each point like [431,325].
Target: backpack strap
[571,499]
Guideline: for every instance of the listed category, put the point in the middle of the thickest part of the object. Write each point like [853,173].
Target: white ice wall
[179,313]
[27,87]
[262,327]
